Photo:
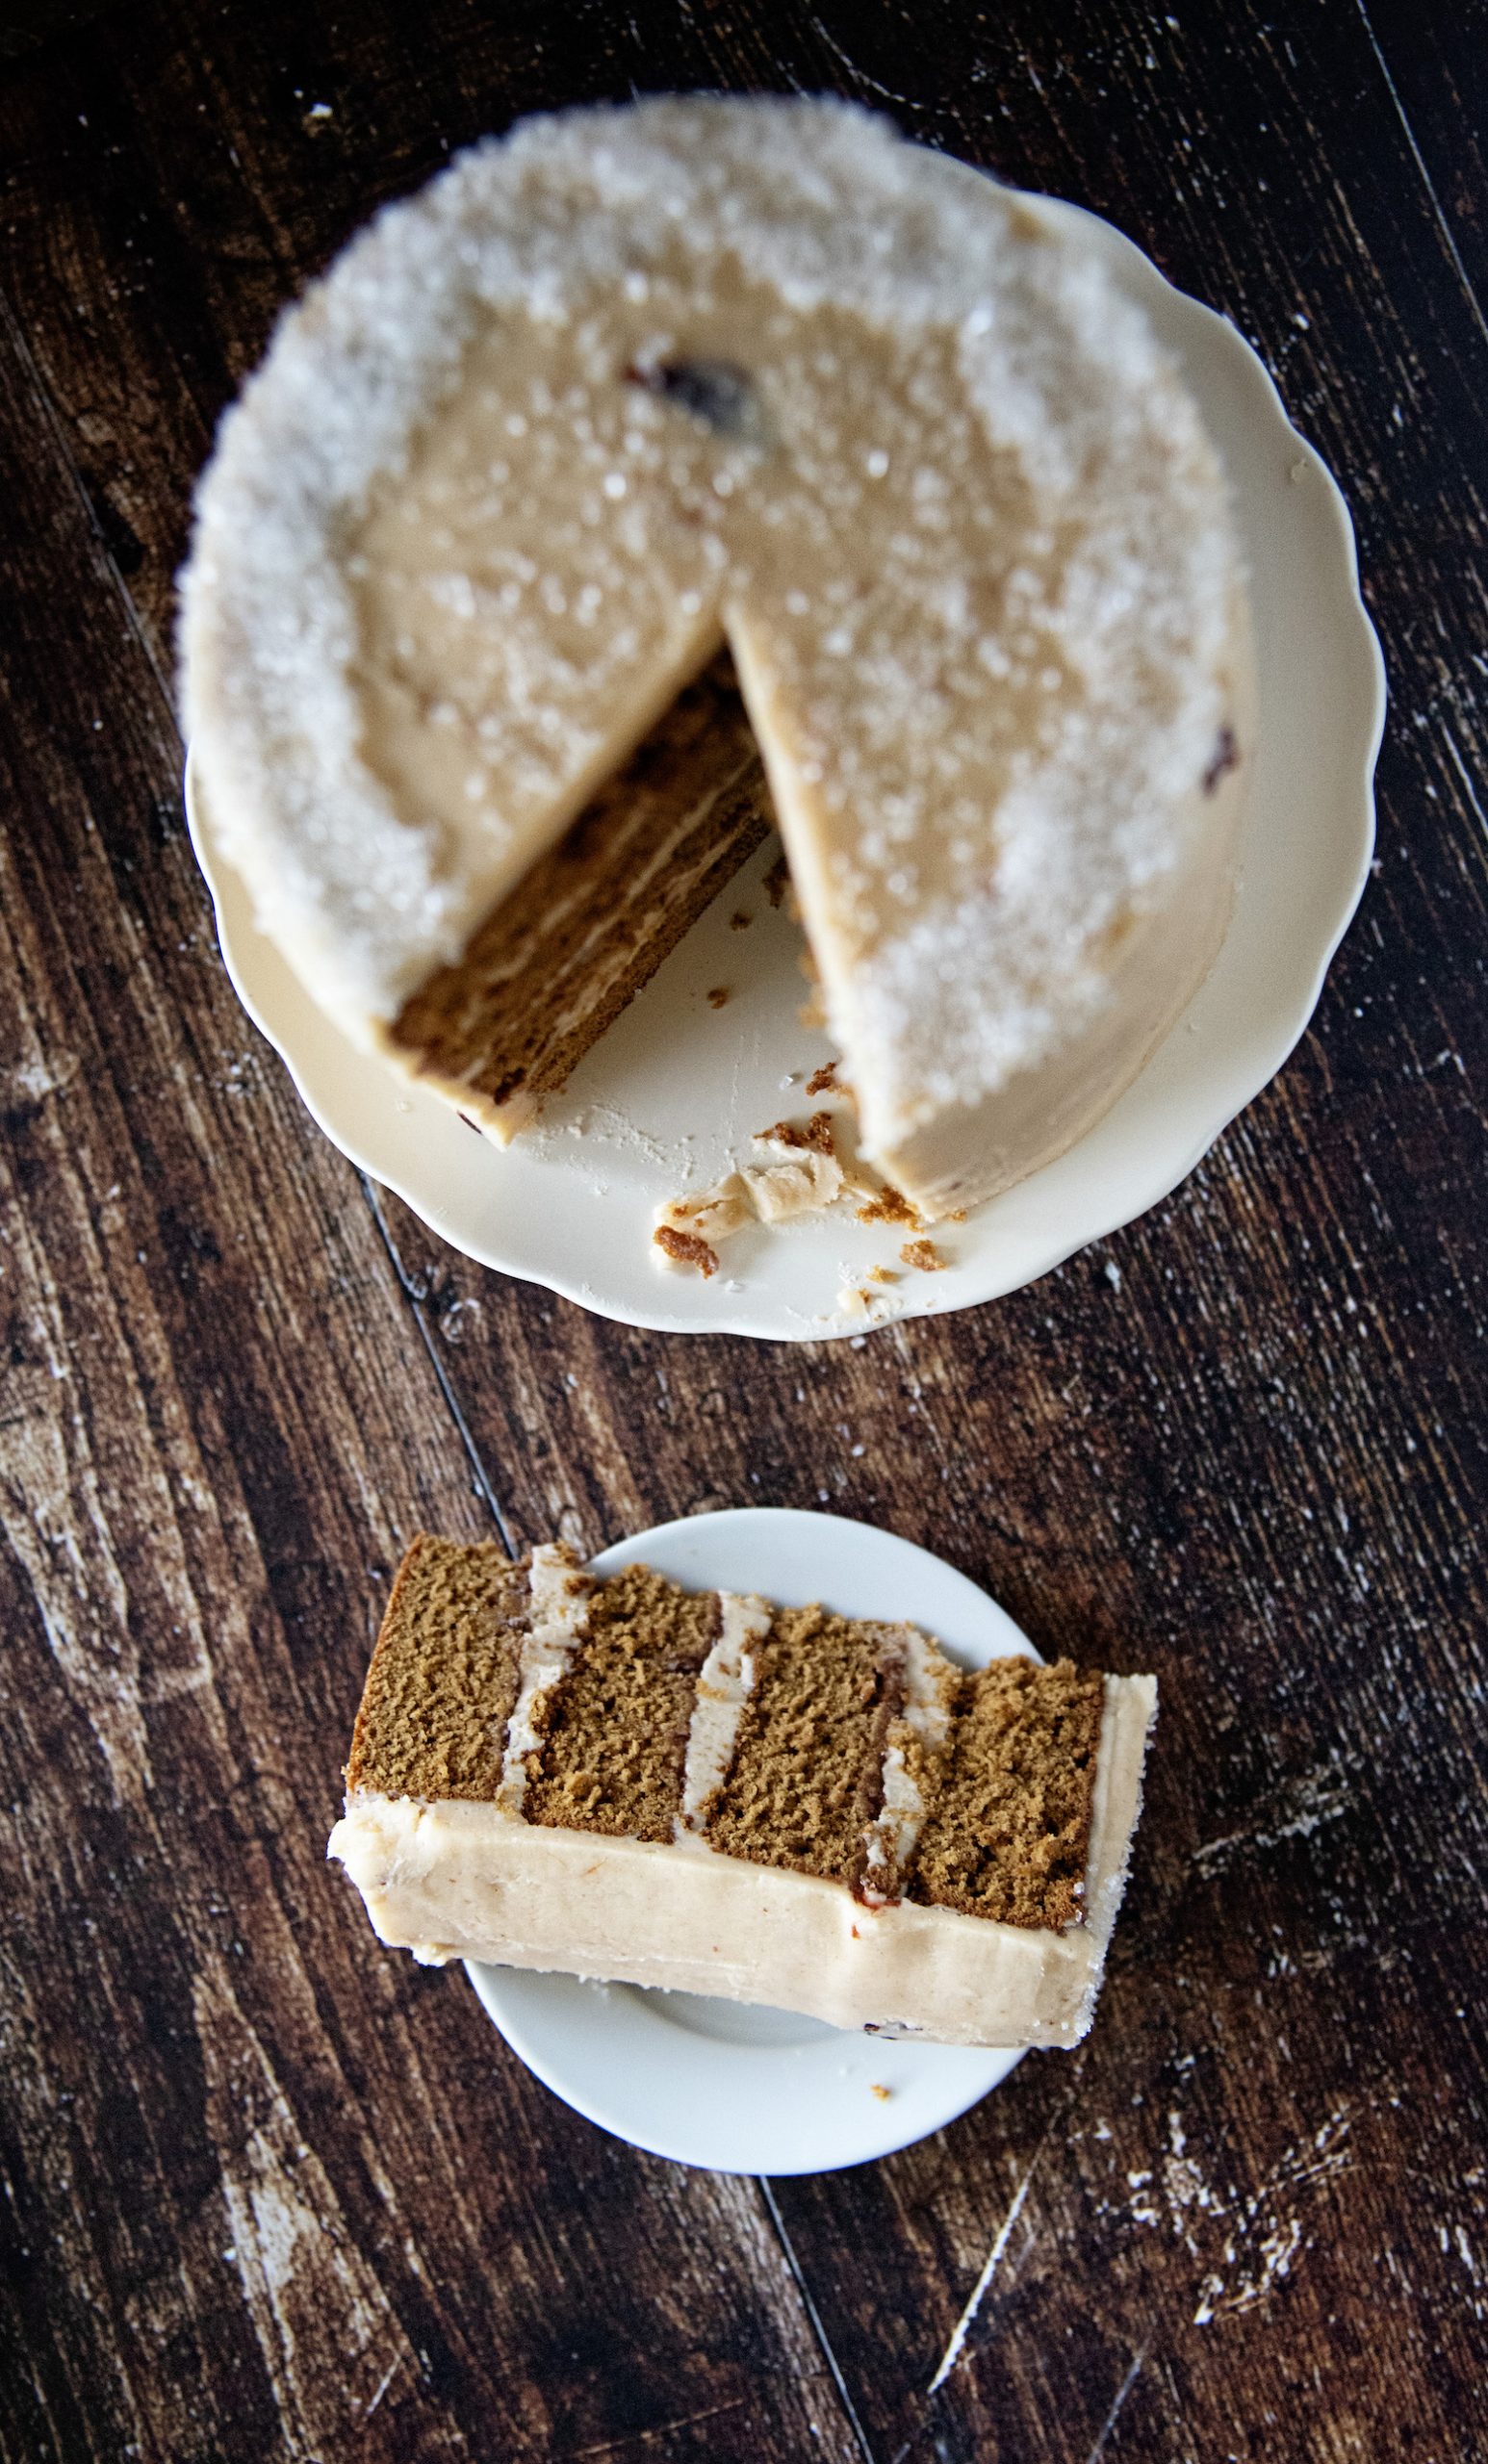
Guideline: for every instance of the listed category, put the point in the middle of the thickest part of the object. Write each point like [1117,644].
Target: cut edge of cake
[503,1027]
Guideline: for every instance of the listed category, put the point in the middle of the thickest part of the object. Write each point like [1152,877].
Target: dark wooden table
[267,2193]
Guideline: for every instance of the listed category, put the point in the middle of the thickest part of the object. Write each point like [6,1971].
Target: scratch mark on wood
[1427,181]
[1464,774]
[1305,1803]
[1265,2238]
[383,2385]
[660,2429]
[963,2325]
[1119,2398]
[309,2291]
[858,76]
[818,2329]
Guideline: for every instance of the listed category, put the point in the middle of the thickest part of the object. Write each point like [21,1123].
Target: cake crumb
[718,996]
[882,1275]
[776,882]
[806,1177]
[891,1206]
[876,2089]
[824,1081]
[740,920]
[817,1132]
[925,1255]
[685,1249]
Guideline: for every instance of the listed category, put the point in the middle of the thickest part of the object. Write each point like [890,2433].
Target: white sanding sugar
[1115,606]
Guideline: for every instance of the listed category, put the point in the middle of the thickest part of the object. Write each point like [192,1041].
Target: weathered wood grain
[1242,1442]
[266,2195]
[1435,64]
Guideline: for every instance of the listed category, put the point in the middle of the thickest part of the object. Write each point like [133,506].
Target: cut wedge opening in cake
[632,385]
[559,958]
[628,1779]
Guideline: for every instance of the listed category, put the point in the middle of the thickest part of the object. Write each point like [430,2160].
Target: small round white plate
[673,1093]
[722,2084]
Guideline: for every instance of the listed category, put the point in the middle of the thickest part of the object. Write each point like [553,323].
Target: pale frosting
[558,1619]
[713,1214]
[726,1682]
[799,1180]
[926,1713]
[803,1182]
[463,541]
[456,1879]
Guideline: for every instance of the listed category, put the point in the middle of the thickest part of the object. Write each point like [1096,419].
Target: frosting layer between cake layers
[632,383]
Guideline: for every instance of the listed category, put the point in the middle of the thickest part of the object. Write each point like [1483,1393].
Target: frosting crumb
[806,1182]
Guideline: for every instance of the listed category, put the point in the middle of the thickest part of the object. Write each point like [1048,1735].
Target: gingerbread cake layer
[1005,1832]
[453,1634]
[778,1805]
[556,960]
[614,1731]
[805,1781]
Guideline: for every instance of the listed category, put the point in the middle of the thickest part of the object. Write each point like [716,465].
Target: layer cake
[629,1780]
[634,385]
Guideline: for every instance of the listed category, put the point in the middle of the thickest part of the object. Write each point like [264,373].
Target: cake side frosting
[456,1881]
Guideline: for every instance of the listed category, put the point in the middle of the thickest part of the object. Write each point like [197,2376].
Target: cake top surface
[632,381]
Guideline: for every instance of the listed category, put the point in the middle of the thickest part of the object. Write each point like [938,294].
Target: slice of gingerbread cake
[626,1780]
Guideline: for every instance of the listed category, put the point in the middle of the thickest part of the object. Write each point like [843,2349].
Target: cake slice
[698,1790]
